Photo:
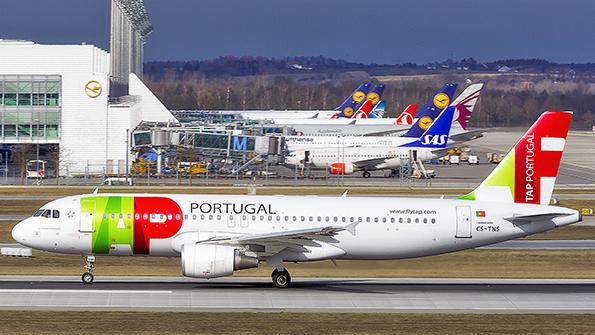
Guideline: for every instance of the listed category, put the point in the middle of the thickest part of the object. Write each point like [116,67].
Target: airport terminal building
[59,94]
[78,100]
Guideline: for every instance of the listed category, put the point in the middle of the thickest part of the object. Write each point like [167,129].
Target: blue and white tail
[436,136]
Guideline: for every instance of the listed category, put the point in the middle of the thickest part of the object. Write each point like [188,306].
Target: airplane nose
[20,232]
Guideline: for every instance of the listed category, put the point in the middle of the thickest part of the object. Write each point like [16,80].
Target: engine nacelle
[342,168]
[212,261]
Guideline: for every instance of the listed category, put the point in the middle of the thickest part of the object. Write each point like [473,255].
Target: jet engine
[342,168]
[211,261]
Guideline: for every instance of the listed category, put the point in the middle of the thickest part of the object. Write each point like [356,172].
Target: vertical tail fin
[430,111]
[358,96]
[528,172]
[437,134]
[378,110]
[408,115]
[365,107]
[465,103]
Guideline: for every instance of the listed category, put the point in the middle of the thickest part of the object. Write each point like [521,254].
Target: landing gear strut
[87,277]
[281,279]
[366,174]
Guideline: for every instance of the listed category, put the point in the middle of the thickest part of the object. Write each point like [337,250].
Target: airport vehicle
[192,168]
[36,169]
[473,160]
[117,181]
[216,235]
[454,159]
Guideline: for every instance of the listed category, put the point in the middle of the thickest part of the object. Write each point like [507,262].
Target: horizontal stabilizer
[526,219]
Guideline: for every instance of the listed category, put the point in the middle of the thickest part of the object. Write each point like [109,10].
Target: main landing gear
[87,277]
[366,174]
[281,279]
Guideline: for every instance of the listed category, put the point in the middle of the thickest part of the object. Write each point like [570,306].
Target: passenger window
[343,219]
[408,220]
[129,216]
[56,214]
[185,216]
[319,218]
[270,218]
[416,220]
[433,220]
[113,216]
[392,220]
[104,215]
[193,216]
[145,216]
[351,219]
[178,216]
[210,216]
[368,219]
[137,216]
[262,218]
[303,218]
[400,220]
[218,217]
[294,218]
[335,219]
[202,216]
[326,218]
[278,218]
[425,220]
[120,216]
[376,220]
[383,220]
[286,218]
[169,217]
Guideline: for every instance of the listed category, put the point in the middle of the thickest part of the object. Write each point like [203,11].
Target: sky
[366,31]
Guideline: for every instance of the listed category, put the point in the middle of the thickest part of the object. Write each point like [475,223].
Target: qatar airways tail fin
[408,115]
[357,96]
[528,173]
[430,111]
[465,104]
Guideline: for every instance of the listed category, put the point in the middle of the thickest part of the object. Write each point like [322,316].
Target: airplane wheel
[281,279]
[366,174]
[87,278]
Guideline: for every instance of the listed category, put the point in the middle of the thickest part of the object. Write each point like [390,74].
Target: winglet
[344,195]
[96,190]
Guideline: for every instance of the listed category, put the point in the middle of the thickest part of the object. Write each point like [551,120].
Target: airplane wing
[385,132]
[467,136]
[371,162]
[526,219]
[293,239]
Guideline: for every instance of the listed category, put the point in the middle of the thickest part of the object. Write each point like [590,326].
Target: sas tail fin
[437,134]
[372,99]
[465,103]
[528,173]
[406,118]
[430,111]
[358,96]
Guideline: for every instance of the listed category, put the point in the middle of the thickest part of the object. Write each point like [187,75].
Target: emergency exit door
[463,222]
[87,214]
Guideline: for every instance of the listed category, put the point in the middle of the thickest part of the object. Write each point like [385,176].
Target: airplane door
[463,222]
[307,156]
[86,216]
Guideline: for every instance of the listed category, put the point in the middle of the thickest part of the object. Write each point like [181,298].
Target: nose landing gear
[281,279]
[87,277]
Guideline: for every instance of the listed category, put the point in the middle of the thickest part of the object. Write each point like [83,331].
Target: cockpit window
[47,213]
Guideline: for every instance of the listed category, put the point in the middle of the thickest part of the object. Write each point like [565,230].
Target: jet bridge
[212,142]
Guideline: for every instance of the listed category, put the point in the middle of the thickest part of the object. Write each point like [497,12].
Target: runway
[307,295]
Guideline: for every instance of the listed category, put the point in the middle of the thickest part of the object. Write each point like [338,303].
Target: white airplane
[216,235]
[352,154]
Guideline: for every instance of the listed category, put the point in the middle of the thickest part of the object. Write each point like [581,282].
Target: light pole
[126,170]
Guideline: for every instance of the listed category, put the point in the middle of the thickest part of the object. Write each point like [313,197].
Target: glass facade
[30,106]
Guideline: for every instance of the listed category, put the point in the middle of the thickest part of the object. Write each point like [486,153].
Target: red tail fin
[408,115]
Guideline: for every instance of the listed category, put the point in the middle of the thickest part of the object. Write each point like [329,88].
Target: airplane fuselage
[387,228]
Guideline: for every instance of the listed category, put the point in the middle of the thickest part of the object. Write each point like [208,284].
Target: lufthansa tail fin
[358,96]
[372,99]
[406,118]
[430,111]
[528,172]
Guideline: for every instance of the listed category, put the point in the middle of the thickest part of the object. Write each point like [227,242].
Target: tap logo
[425,122]
[93,89]
[441,100]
